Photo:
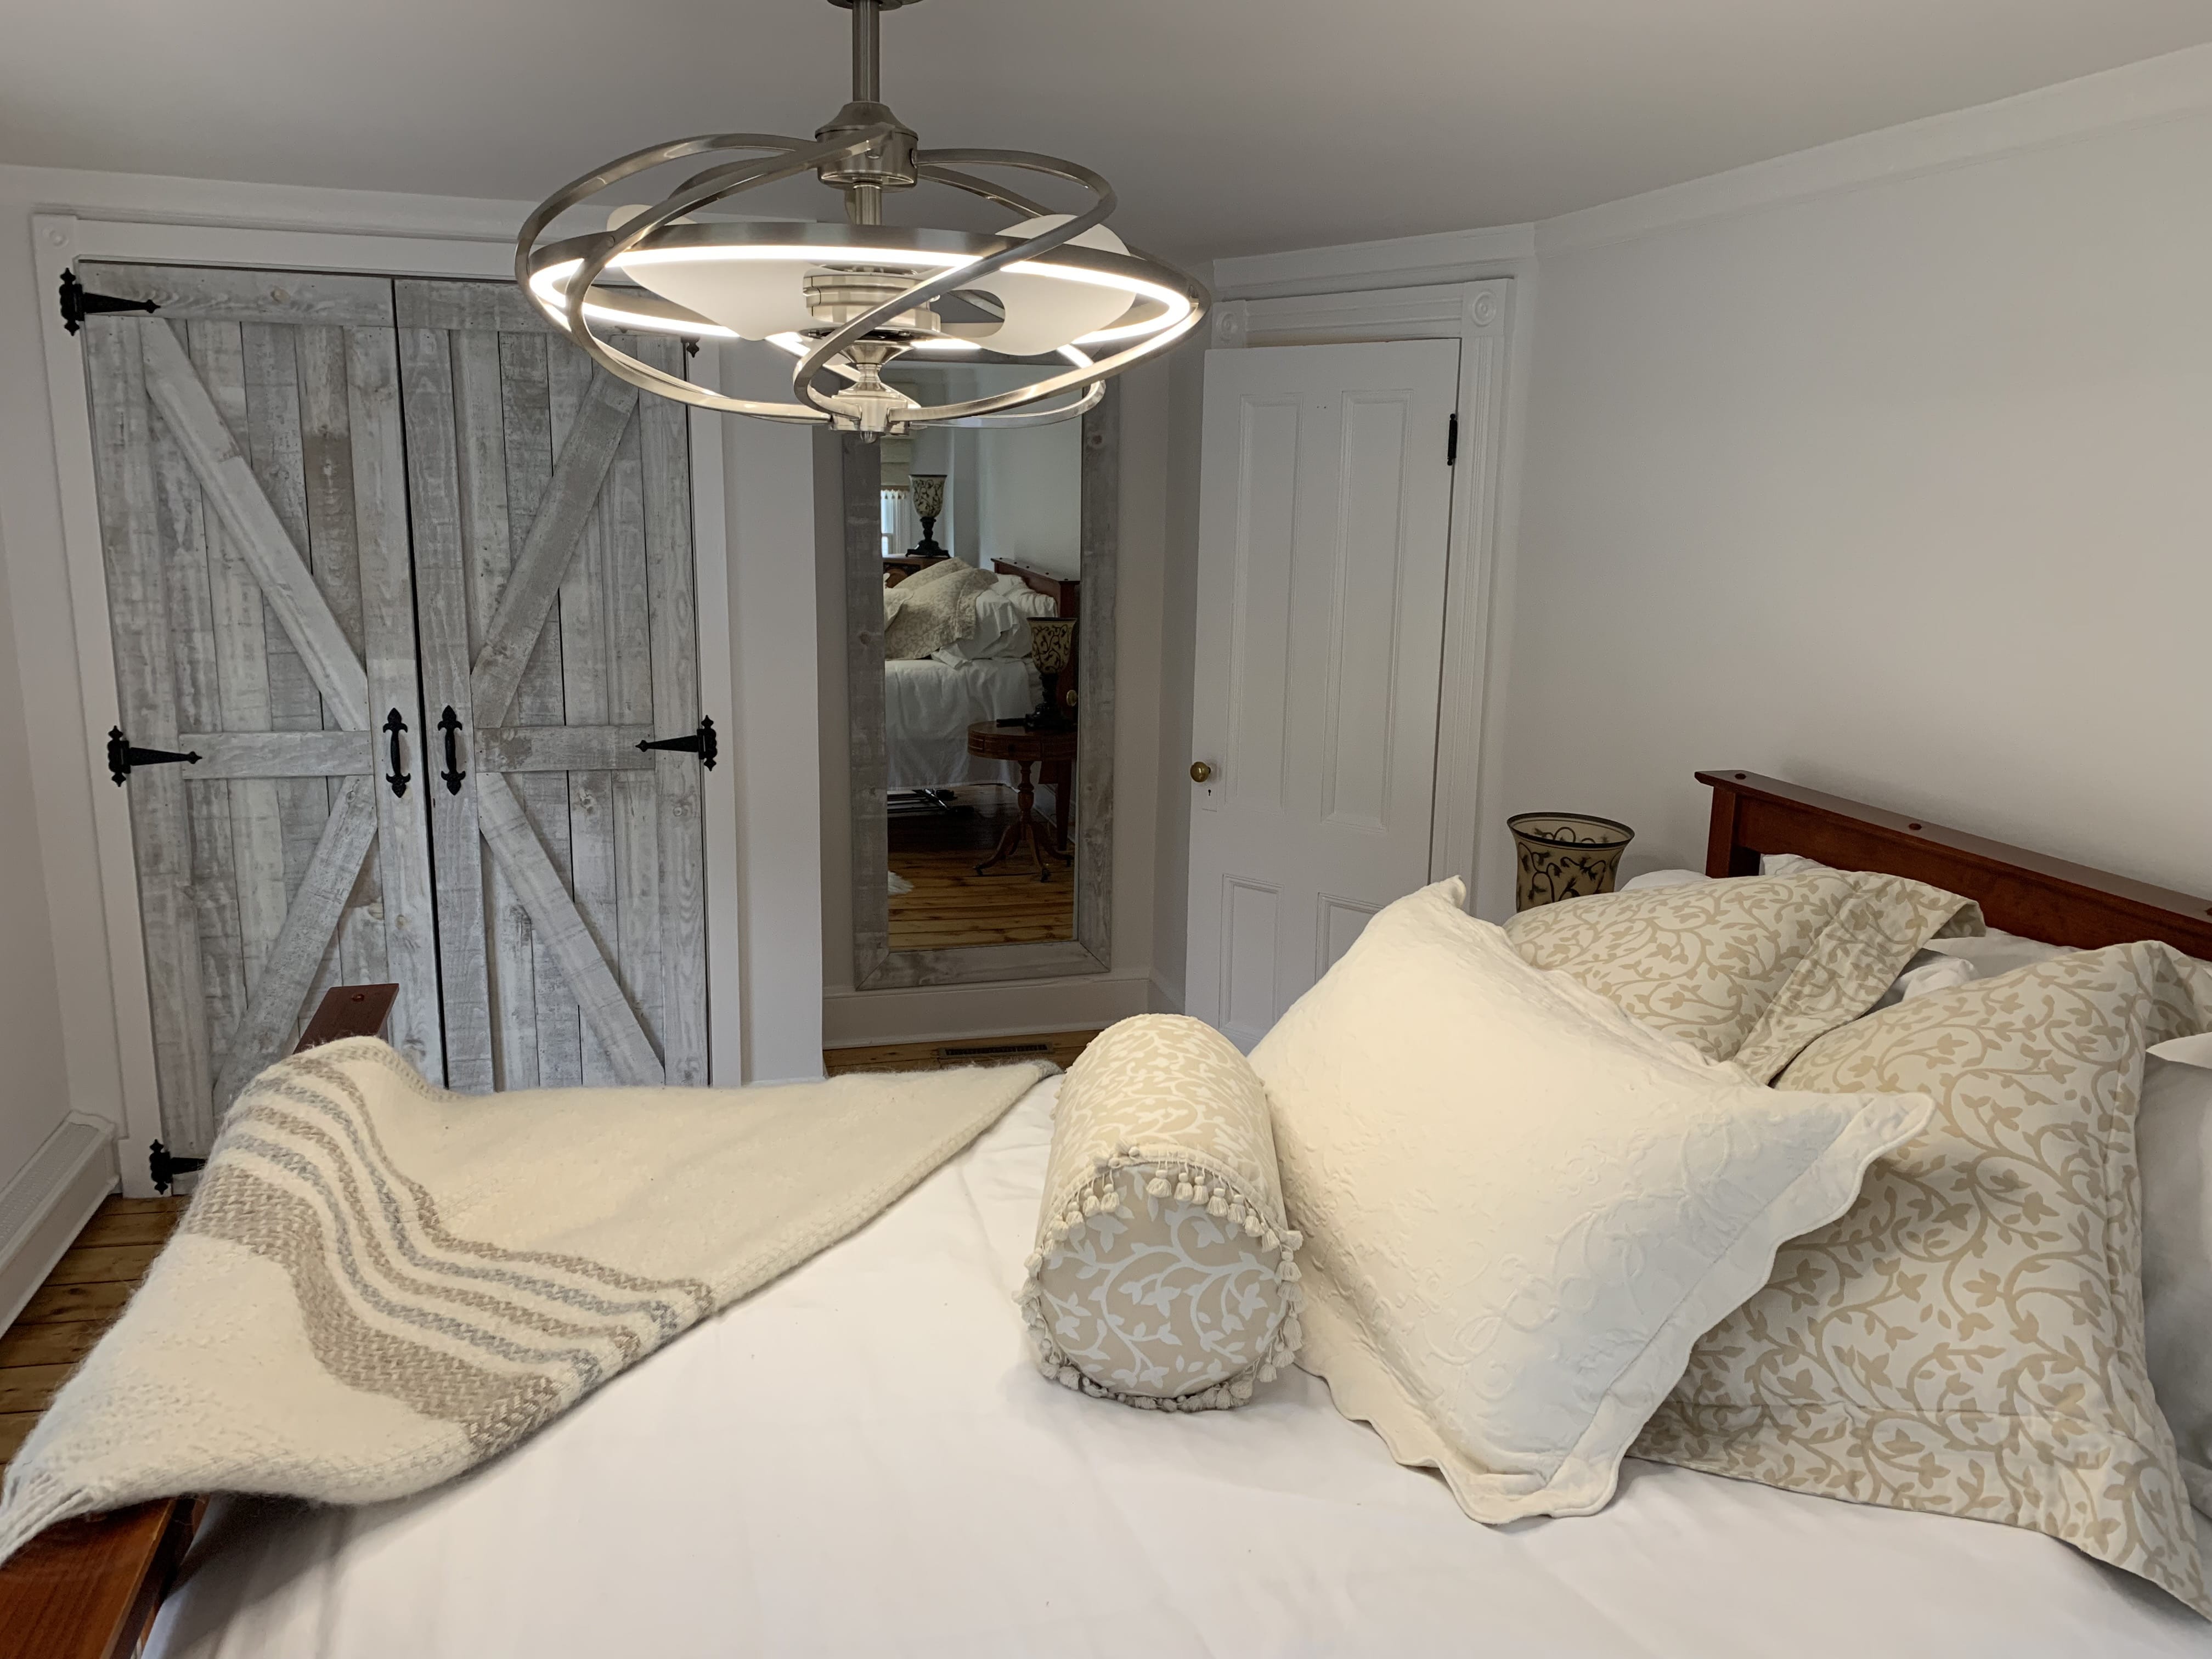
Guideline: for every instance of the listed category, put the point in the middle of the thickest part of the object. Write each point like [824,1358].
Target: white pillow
[1520,1208]
[1002,623]
[2174,1149]
[1663,878]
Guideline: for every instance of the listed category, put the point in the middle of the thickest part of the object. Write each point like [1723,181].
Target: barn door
[250,465]
[553,552]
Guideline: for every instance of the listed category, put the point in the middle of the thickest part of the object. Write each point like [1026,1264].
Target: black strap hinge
[702,743]
[165,1166]
[78,303]
[1452,441]
[122,756]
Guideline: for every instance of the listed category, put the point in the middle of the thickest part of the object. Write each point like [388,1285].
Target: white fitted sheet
[861,1459]
[929,707]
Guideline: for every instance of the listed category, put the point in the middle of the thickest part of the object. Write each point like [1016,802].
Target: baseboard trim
[47,1203]
[853,1019]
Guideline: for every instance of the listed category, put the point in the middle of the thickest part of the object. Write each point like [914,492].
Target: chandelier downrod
[867,51]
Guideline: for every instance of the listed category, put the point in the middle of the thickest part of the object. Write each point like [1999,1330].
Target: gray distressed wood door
[553,552]
[250,465]
[326,501]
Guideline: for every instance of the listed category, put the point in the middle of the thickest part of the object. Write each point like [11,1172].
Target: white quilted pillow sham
[1520,1208]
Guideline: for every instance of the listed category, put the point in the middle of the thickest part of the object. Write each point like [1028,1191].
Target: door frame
[1480,316]
[59,240]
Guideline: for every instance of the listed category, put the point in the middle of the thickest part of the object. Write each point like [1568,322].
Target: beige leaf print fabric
[1163,1274]
[1750,968]
[1968,1339]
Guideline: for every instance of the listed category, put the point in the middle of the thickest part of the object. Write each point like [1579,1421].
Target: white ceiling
[1229,126]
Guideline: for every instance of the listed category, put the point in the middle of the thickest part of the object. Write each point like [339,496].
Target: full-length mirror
[980,596]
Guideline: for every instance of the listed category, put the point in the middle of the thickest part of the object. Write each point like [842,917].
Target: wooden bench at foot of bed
[88,1588]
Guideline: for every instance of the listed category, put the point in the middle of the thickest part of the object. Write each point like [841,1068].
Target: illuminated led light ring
[561,278]
[554,268]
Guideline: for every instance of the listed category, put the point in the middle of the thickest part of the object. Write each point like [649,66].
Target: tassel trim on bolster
[1187,1181]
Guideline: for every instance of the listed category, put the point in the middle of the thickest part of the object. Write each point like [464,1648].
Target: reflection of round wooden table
[988,740]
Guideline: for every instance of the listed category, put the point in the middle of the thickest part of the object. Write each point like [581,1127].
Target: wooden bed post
[1723,857]
[88,1588]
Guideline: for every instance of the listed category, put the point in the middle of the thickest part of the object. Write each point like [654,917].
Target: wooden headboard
[2019,892]
[1066,592]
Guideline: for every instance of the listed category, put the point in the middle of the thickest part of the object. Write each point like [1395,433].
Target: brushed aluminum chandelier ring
[846,299]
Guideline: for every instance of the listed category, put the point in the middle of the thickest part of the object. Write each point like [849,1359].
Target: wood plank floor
[950,905]
[78,1302]
[1060,1046]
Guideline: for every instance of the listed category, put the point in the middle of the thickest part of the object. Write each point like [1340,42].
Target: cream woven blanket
[380,1284]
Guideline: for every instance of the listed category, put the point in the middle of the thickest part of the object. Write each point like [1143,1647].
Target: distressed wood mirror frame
[875,964]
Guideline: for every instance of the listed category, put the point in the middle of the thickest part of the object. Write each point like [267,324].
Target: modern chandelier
[847,299]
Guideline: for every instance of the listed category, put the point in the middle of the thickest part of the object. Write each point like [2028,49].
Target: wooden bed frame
[2020,891]
[90,1589]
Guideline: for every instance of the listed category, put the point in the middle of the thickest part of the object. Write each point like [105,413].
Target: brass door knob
[1199,771]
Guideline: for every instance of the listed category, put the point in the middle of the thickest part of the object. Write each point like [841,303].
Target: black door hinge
[1452,441]
[165,1166]
[121,757]
[79,303]
[701,743]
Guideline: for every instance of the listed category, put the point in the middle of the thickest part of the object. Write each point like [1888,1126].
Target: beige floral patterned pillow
[1163,1274]
[1968,1339]
[1749,969]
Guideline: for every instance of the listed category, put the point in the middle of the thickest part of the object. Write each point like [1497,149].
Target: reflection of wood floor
[950,904]
[80,1298]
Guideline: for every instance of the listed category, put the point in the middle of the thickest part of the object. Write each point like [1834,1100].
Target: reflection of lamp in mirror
[929,503]
[1052,648]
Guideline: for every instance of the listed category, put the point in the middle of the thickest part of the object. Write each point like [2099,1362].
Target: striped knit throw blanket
[380,1284]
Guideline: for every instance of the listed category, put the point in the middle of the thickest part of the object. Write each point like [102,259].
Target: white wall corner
[1166,999]
[48,1203]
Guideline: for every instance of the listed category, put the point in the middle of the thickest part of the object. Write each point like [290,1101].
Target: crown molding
[2175,87]
[1451,256]
[153,198]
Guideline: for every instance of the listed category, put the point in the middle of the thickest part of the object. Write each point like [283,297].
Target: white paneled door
[332,507]
[1324,523]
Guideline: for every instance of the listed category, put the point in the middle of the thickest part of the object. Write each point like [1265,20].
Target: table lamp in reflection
[928,504]
[1052,648]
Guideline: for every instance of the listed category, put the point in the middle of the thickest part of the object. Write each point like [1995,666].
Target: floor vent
[994,1050]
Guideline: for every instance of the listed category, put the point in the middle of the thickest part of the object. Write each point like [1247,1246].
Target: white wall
[35,1097]
[1185,369]
[54,1022]
[768,481]
[1902,491]
[1030,497]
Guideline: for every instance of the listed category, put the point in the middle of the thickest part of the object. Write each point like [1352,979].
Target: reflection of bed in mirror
[929,703]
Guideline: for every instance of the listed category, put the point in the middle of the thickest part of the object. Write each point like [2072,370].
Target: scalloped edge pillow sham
[1749,969]
[1520,1207]
[1969,1340]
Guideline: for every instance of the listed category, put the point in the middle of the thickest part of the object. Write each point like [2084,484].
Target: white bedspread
[861,1460]
[929,707]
